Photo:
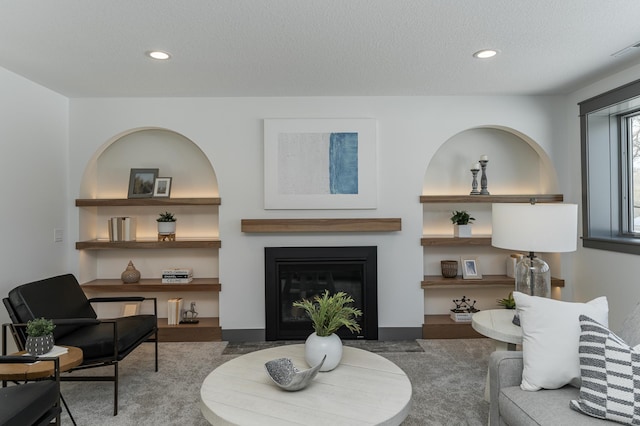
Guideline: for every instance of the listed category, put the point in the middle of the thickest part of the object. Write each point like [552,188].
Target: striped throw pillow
[610,371]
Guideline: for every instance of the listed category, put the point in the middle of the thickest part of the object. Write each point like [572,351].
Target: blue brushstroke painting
[343,163]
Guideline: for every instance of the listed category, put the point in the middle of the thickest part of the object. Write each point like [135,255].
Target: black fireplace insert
[295,273]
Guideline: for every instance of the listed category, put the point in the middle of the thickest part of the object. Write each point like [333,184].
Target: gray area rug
[447,377]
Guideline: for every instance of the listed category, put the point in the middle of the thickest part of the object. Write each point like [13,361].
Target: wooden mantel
[321,225]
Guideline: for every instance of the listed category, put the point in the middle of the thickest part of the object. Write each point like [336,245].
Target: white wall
[599,272]
[229,132]
[33,172]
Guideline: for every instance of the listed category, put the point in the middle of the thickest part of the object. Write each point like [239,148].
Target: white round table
[497,324]
[365,389]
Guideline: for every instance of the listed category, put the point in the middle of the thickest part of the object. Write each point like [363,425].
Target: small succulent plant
[40,327]
[508,302]
[461,218]
[166,217]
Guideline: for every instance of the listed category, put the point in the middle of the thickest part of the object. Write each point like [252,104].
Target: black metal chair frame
[18,331]
[56,410]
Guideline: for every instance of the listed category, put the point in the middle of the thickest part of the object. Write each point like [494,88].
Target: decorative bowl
[287,376]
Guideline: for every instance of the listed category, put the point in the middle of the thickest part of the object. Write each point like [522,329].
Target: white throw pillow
[550,338]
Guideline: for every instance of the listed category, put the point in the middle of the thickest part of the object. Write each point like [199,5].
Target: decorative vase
[462,231]
[130,275]
[316,347]
[39,345]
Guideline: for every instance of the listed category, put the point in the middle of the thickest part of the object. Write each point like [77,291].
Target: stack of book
[177,276]
[174,311]
[122,229]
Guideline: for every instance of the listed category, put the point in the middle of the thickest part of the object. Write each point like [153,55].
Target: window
[610,136]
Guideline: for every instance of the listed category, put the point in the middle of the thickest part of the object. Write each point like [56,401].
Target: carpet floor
[447,377]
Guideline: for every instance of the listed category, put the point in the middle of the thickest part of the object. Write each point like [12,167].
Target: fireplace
[294,273]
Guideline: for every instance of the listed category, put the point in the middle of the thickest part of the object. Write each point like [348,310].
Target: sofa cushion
[546,407]
[550,337]
[610,375]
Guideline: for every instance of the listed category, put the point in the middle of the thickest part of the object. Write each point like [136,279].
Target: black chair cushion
[28,404]
[57,297]
[96,341]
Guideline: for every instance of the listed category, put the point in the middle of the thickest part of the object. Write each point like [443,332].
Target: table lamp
[548,228]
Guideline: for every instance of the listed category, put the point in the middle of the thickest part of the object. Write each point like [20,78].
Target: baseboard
[384,333]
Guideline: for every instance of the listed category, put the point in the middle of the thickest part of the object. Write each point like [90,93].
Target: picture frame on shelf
[130,309]
[320,163]
[470,268]
[162,187]
[141,183]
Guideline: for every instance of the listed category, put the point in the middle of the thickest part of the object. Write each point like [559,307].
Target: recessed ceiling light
[485,53]
[158,54]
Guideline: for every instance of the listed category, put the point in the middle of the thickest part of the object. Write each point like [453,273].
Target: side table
[41,370]
[497,324]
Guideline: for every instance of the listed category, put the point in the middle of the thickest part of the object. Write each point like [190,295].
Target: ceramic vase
[316,347]
[130,275]
[39,345]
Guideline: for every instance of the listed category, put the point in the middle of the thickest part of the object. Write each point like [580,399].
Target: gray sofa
[513,406]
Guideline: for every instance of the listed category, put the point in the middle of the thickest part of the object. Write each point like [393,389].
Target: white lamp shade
[535,227]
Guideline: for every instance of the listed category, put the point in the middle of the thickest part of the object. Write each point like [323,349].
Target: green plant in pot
[166,224]
[508,302]
[461,223]
[328,313]
[39,336]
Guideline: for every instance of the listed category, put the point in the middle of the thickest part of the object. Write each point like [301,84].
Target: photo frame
[162,187]
[470,268]
[320,163]
[130,309]
[141,183]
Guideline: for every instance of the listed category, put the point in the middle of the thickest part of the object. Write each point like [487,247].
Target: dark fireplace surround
[294,273]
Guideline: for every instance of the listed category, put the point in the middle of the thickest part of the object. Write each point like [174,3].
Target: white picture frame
[470,268]
[320,163]
[162,187]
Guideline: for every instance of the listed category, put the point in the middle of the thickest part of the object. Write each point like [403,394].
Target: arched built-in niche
[517,165]
[194,201]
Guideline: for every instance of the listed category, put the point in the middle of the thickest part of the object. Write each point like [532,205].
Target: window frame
[605,191]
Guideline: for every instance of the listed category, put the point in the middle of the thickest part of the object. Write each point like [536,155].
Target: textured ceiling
[95,48]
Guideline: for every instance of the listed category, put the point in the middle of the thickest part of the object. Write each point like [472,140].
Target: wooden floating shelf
[104,202]
[443,327]
[148,244]
[207,330]
[320,225]
[438,281]
[519,198]
[443,240]
[151,285]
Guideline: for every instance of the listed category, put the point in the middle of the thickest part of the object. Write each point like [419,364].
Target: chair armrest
[505,370]
[28,359]
[116,299]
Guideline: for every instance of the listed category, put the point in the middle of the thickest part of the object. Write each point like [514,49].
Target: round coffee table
[364,389]
[40,370]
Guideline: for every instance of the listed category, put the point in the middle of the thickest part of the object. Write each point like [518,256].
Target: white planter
[316,347]
[166,228]
[462,231]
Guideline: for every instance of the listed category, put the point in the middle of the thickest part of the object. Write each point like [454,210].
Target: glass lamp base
[533,277]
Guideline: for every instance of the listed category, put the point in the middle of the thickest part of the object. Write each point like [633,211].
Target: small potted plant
[508,302]
[461,223]
[328,313]
[166,224]
[39,336]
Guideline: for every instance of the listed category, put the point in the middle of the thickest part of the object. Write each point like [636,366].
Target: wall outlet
[58,235]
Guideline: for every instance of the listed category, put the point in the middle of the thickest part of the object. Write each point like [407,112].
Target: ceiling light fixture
[485,53]
[158,54]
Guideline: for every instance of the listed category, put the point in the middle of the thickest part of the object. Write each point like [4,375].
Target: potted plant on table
[461,223]
[166,224]
[328,313]
[39,336]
